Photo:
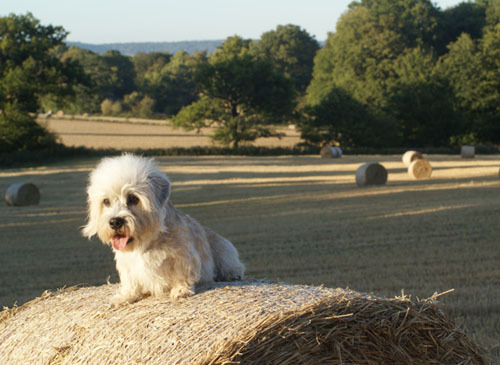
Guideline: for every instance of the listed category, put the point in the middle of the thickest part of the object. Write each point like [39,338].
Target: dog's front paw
[180,292]
[119,300]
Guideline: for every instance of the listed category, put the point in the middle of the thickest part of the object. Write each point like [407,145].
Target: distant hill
[131,49]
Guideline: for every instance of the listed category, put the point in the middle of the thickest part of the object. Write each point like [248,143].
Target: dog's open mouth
[121,241]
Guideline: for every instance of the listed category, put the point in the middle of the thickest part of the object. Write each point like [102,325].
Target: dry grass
[297,219]
[99,134]
[237,323]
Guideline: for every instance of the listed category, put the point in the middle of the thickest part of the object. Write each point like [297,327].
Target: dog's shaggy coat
[158,250]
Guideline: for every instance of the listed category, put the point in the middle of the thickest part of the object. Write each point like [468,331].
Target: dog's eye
[106,202]
[132,199]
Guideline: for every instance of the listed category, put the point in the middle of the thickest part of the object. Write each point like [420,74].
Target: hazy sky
[110,21]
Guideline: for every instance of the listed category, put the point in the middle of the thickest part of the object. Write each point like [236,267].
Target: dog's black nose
[116,223]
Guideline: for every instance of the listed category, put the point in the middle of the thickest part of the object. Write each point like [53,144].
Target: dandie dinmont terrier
[158,250]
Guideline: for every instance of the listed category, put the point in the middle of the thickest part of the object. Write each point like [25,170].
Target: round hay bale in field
[331,152]
[420,169]
[248,323]
[371,173]
[21,194]
[410,156]
[468,151]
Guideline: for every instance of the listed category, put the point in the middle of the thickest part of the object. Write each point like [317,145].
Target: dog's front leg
[130,290]
[181,291]
[125,296]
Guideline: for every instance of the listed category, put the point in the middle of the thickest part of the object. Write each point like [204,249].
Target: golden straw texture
[248,323]
[410,156]
[420,169]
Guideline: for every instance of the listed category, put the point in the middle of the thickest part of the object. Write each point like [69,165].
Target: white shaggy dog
[158,250]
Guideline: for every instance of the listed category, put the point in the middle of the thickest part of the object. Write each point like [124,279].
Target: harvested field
[118,135]
[299,220]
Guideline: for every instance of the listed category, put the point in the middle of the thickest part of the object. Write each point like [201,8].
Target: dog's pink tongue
[119,242]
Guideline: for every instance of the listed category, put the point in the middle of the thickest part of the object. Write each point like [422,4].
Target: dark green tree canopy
[242,95]
[292,50]
[173,86]
[29,65]
[383,55]
[473,68]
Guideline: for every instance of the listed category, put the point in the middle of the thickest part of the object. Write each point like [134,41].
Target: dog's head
[126,201]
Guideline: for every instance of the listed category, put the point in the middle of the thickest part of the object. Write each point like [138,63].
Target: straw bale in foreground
[248,323]
[410,156]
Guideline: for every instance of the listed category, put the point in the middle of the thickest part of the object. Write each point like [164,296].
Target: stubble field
[119,135]
[293,219]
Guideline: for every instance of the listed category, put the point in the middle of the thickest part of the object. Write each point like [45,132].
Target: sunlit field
[293,219]
[98,134]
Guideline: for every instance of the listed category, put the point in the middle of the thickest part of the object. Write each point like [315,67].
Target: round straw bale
[247,323]
[331,152]
[371,173]
[410,156]
[21,194]
[467,151]
[420,169]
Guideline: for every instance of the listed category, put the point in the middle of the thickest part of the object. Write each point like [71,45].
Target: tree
[173,86]
[382,55]
[29,69]
[422,102]
[242,95]
[465,17]
[473,69]
[340,119]
[292,50]
[148,62]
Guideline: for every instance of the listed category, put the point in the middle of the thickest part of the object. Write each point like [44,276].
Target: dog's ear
[160,187]
[90,229]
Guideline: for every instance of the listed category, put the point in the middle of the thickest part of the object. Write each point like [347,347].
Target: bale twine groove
[248,323]
[420,169]
[21,194]
[371,173]
[468,151]
[330,152]
[410,156]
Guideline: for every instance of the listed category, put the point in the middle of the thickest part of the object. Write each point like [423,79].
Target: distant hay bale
[247,323]
[331,152]
[371,173]
[468,151]
[410,156]
[21,194]
[420,169]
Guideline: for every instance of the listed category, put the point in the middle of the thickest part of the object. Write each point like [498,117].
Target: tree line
[394,73]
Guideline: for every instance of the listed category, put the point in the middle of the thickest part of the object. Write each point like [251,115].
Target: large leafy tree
[466,17]
[473,69]
[29,68]
[383,55]
[111,76]
[242,95]
[339,118]
[173,86]
[421,102]
[292,50]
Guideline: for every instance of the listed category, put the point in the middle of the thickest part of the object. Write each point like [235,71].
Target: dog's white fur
[167,252]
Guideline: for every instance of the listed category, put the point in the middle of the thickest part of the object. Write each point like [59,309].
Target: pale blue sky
[110,21]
